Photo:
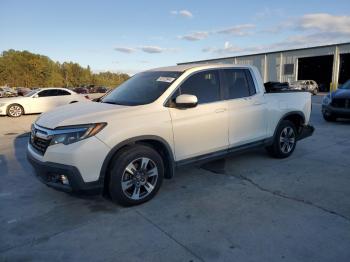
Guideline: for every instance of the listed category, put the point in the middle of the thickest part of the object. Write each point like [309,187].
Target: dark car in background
[22,91]
[276,86]
[81,90]
[101,89]
[337,103]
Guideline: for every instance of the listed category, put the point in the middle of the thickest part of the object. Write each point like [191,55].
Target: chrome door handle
[220,110]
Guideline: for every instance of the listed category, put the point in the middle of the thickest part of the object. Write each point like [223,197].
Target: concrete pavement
[244,208]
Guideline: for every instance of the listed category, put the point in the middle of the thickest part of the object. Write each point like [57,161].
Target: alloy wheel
[287,140]
[139,178]
[15,111]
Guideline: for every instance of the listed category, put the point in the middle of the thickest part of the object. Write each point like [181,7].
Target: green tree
[22,68]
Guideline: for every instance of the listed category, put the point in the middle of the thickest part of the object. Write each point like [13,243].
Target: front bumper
[306,131]
[336,111]
[49,173]
[2,111]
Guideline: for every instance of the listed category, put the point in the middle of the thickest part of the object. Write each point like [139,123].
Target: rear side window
[239,83]
[62,92]
[205,85]
[49,92]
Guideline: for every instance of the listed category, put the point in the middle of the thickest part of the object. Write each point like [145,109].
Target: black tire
[134,155]
[329,117]
[283,149]
[15,110]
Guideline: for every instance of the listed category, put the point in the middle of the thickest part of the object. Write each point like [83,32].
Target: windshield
[346,85]
[143,88]
[31,93]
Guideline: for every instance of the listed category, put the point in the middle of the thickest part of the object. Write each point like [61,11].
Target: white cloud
[195,36]
[152,49]
[290,42]
[127,50]
[183,13]
[146,49]
[186,13]
[325,23]
[314,23]
[238,30]
[268,12]
[227,49]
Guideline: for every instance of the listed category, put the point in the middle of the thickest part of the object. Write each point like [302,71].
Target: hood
[79,113]
[341,93]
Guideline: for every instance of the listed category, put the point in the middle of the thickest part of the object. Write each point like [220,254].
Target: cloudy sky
[130,36]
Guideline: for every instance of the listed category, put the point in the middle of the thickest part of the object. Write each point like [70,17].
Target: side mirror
[186,101]
[36,96]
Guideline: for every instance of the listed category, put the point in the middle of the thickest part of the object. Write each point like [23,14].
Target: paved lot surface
[246,208]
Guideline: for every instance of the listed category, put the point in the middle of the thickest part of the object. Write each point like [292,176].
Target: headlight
[71,134]
[327,100]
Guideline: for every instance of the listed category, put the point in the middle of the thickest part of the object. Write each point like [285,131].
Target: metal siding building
[328,65]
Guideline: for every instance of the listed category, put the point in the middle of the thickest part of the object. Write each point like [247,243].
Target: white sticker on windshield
[165,79]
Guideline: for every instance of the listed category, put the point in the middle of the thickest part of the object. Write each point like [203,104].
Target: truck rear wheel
[136,175]
[284,141]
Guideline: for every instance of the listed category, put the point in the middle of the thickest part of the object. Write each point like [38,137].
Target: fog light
[64,180]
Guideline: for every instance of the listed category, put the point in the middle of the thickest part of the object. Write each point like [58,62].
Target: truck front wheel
[136,175]
[284,141]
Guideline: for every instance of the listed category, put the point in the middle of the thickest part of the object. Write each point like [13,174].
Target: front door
[204,128]
[44,101]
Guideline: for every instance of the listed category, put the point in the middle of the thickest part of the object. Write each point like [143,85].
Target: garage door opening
[344,68]
[318,68]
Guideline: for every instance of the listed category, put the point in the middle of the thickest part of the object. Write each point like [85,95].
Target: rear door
[204,128]
[246,108]
[63,97]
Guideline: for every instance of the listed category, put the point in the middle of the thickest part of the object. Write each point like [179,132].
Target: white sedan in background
[39,101]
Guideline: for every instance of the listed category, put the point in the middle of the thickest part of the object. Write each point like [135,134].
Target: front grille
[40,144]
[38,141]
[341,103]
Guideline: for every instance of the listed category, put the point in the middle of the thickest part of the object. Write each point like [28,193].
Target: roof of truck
[182,68]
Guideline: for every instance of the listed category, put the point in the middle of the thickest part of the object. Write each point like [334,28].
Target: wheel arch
[296,117]
[8,107]
[157,143]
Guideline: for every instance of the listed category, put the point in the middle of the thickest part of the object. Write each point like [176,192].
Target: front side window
[239,83]
[143,88]
[204,85]
[31,93]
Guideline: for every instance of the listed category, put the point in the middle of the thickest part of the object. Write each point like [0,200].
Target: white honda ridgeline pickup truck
[160,119]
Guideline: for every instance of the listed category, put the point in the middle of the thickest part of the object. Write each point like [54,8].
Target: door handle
[220,110]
